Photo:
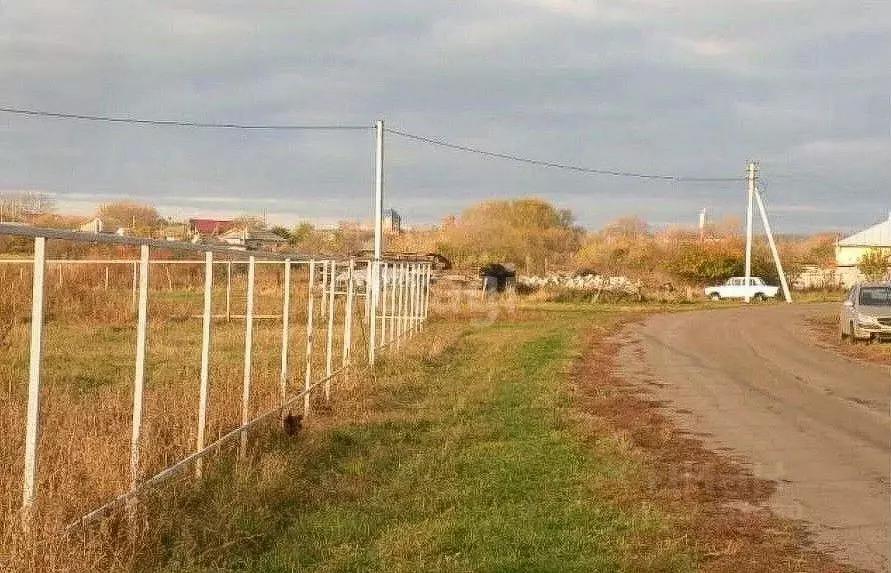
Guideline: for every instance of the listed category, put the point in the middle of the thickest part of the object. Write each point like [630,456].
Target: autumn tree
[140,219]
[527,232]
[625,246]
[282,232]
[249,222]
[874,264]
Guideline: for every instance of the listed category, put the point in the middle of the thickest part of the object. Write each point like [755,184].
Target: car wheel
[759,297]
[714,296]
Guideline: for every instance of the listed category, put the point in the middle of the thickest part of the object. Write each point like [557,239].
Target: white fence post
[414,299]
[418,271]
[135,270]
[307,379]
[382,301]
[400,325]
[393,287]
[228,291]
[425,301]
[248,349]
[106,277]
[32,426]
[325,270]
[286,325]
[139,377]
[348,318]
[329,349]
[374,295]
[368,275]
[205,359]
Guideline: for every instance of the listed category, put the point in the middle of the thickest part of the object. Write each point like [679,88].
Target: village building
[850,250]
[253,239]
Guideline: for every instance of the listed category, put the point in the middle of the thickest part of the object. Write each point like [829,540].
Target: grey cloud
[684,87]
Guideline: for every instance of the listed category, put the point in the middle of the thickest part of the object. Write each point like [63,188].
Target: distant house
[849,250]
[252,240]
[209,227]
[94,226]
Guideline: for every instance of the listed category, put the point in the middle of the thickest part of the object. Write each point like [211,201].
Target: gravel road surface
[753,382]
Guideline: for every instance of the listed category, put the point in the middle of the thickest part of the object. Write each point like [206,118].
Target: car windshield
[875,296]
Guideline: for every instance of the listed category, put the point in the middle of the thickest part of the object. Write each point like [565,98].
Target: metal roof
[878,235]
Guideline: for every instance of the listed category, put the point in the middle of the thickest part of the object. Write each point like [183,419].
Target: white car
[736,287]
[866,312]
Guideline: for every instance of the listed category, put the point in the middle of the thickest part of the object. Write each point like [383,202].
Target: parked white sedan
[866,312]
[736,287]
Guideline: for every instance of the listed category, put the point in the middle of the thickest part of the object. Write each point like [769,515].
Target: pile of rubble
[580,282]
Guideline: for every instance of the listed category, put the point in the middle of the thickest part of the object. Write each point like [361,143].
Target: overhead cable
[179,123]
[565,166]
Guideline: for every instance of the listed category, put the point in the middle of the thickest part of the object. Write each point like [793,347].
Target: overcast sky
[675,87]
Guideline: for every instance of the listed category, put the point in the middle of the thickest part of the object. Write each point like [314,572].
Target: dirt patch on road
[717,505]
[825,332]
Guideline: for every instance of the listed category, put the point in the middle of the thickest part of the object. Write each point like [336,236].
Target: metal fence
[386,300]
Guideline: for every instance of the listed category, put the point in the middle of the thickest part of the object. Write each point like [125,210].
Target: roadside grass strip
[463,459]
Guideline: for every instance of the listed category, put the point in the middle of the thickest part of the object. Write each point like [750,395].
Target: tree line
[534,236]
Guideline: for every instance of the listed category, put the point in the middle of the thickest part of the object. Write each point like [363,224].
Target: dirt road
[752,381]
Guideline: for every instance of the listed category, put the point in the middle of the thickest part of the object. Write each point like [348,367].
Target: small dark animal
[292,424]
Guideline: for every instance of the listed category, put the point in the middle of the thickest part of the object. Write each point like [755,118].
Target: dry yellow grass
[87,379]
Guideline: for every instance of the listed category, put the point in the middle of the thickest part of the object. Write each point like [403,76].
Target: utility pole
[751,178]
[773,246]
[378,238]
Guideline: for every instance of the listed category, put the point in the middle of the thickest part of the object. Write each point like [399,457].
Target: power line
[178,123]
[565,166]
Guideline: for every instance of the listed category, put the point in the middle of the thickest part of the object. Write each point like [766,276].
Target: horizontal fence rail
[395,294]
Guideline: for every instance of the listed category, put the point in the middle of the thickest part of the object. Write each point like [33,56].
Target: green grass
[467,460]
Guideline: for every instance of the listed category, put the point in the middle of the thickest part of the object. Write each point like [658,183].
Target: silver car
[866,312]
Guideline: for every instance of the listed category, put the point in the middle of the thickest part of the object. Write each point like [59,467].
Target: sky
[689,88]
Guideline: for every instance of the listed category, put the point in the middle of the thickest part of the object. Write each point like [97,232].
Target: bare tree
[21,205]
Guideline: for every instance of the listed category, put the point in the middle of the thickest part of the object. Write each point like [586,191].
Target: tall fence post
[422,281]
[400,325]
[32,425]
[413,306]
[368,275]
[228,291]
[248,350]
[135,270]
[348,318]
[106,277]
[382,301]
[329,349]
[205,359]
[393,287]
[139,379]
[418,271]
[425,302]
[307,379]
[325,271]
[286,325]
[373,310]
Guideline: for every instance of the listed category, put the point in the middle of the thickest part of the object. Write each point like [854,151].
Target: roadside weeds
[825,332]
